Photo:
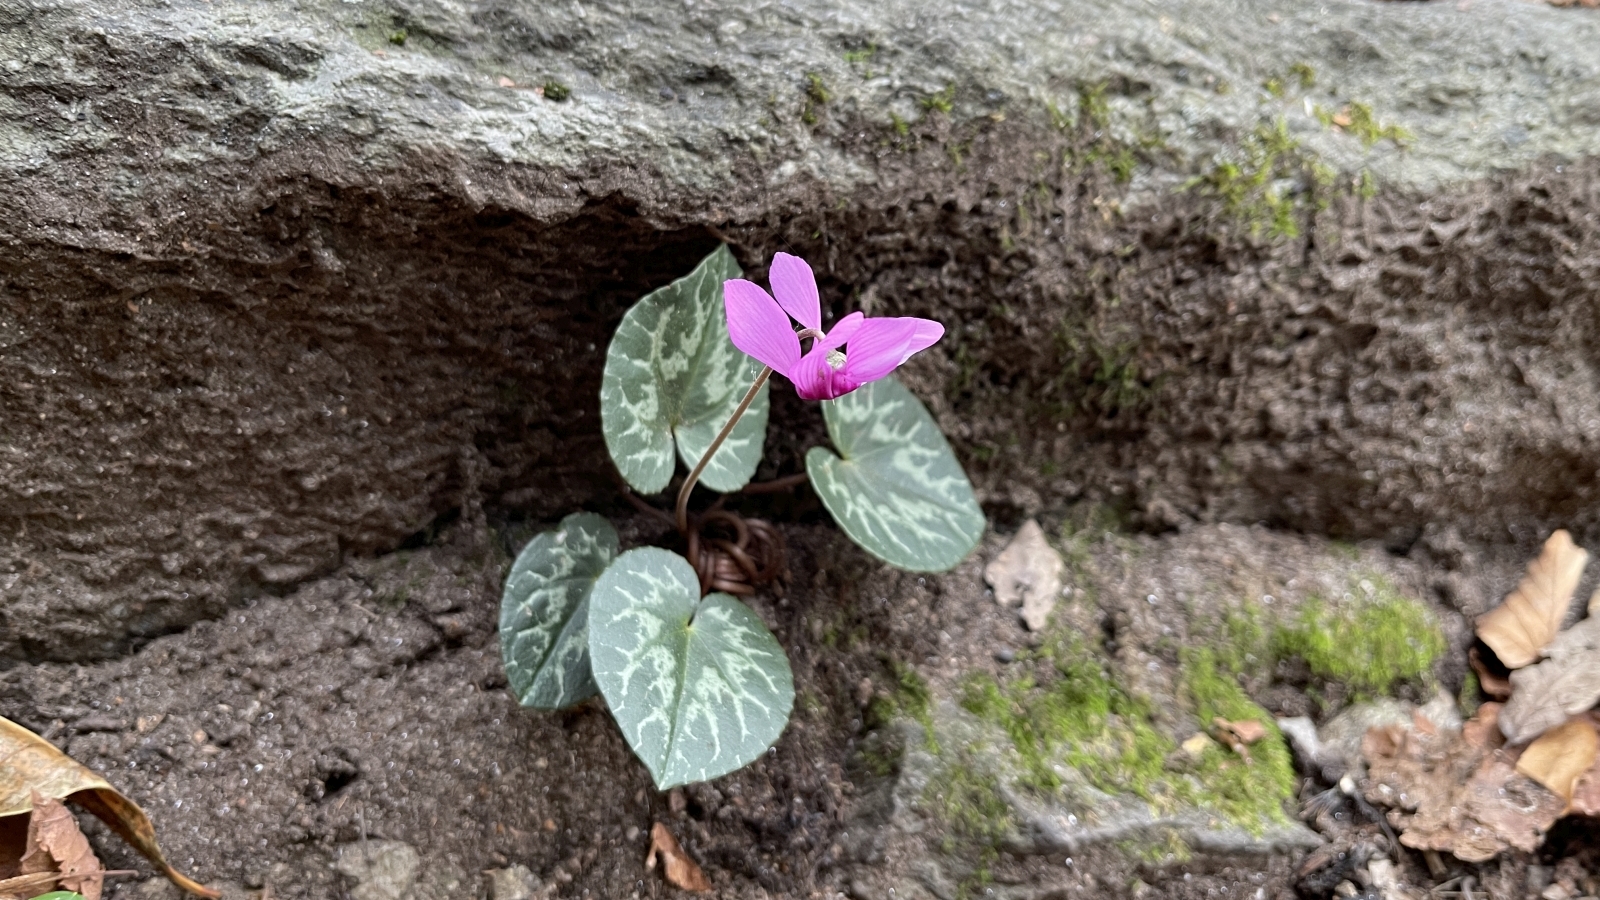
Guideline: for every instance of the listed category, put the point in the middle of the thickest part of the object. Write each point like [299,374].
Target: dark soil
[370,704]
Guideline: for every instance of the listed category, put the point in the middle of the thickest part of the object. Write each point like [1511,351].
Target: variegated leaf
[898,491]
[671,373]
[698,686]
[544,612]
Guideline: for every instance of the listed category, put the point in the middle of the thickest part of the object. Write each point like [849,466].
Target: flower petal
[758,326]
[881,345]
[796,289]
[813,378]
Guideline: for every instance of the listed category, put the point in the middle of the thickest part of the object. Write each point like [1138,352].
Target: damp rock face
[281,287]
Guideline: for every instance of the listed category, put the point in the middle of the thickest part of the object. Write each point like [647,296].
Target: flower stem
[694,476]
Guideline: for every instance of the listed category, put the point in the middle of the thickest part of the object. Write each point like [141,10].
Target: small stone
[1028,571]
[549,824]
[1005,655]
[381,870]
[632,834]
[514,882]
[676,801]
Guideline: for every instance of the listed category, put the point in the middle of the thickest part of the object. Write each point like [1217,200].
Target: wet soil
[370,704]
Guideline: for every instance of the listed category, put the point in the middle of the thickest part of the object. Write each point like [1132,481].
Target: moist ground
[370,705]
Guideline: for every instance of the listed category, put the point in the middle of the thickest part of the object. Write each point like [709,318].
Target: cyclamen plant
[695,680]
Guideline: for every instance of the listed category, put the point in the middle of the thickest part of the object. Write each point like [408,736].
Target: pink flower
[760,326]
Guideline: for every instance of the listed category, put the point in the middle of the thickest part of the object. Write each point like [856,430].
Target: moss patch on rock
[1372,641]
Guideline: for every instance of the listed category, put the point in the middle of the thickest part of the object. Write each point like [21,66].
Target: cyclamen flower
[759,325]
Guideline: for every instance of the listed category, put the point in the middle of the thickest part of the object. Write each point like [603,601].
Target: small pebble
[1005,655]
[633,833]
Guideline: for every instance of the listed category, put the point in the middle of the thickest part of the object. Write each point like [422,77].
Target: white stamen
[836,359]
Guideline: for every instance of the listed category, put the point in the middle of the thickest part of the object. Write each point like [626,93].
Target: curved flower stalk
[759,324]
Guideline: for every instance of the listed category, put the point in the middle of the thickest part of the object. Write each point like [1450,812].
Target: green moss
[861,55]
[1470,696]
[398,38]
[901,127]
[976,818]
[1358,119]
[1255,187]
[911,698]
[556,91]
[943,102]
[1304,74]
[816,96]
[1372,642]
[1250,794]
[1079,716]
[1245,643]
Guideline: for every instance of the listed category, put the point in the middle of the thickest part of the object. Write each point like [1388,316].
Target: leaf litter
[35,777]
[679,869]
[1514,769]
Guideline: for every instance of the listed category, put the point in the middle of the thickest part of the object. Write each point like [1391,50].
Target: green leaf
[699,687]
[59,895]
[544,612]
[898,491]
[671,373]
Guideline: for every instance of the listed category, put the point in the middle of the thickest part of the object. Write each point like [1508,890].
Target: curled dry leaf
[1492,680]
[56,845]
[1560,756]
[29,763]
[1518,629]
[679,868]
[1238,736]
[1447,793]
[1566,684]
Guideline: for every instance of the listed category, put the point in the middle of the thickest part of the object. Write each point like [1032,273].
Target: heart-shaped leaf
[698,686]
[672,376]
[544,612]
[897,491]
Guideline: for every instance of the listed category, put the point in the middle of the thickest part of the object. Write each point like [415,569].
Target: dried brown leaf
[29,763]
[1449,794]
[1586,793]
[1493,682]
[1519,628]
[679,868]
[1561,755]
[1566,684]
[1028,571]
[56,845]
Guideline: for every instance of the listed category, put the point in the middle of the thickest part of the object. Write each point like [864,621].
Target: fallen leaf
[680,869]
[1519,628]
[1561,755]
[1586,793]
[1568,683]
[29,763]
[505,82]
[56,845]
[1492,682]
[1446,793]
[25,886]
[1027,571]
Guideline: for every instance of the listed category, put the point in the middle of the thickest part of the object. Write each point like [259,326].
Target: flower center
[836,359]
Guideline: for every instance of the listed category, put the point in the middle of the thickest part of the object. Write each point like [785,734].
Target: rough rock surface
[284,284]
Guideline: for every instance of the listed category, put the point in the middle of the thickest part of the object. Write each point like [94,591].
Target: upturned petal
[813,377]
[881,345]
[758,326]
[796,289]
